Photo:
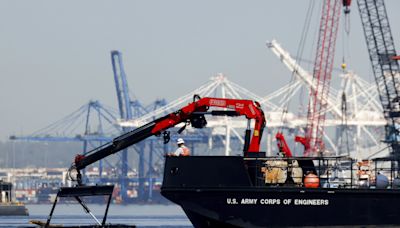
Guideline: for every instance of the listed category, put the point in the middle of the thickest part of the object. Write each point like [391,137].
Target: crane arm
[385,65]
[282,145]
[193,113]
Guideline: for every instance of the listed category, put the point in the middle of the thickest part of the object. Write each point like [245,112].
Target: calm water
[73,214]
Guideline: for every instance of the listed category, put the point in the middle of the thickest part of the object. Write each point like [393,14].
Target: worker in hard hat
[182,149]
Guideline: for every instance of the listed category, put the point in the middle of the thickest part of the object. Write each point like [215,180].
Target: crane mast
[383,57]
[322,74]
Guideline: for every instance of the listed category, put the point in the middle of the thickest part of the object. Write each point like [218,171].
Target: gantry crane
[124,105]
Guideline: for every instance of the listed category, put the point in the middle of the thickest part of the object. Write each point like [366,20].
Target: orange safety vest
[186,151]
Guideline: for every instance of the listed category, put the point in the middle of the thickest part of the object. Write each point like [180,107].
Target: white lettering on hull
[266,201]
[248,201]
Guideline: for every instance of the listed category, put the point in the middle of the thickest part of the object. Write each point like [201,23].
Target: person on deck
[182,149]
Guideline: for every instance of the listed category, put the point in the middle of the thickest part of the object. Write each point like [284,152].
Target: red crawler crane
[317,106]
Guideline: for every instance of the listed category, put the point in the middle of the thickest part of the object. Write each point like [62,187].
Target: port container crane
[124,105]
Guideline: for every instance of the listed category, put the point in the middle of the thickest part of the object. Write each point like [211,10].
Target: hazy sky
[55,55]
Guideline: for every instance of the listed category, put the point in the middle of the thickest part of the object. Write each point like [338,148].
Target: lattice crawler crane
[384,61]
[322,74]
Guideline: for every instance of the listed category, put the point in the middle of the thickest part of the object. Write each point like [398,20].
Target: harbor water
[73,214]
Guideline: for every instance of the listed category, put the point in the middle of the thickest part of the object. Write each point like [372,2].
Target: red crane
[194,114]
[317,106]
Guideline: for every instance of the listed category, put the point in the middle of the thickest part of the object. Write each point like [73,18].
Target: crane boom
[121,85]
[322,74]
[383,57]
[193,113]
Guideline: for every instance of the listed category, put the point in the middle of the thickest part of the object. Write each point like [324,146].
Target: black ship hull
[219,192]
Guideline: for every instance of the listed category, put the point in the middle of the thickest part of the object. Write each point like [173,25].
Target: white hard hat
[180,141]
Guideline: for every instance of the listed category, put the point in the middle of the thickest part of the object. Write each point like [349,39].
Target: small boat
[8,207]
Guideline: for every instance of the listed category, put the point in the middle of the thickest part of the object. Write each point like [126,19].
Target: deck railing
[329,172]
